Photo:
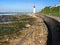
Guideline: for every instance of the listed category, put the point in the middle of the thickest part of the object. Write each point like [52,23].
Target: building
[34,9]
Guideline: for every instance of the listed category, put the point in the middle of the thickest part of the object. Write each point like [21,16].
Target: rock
[27,25]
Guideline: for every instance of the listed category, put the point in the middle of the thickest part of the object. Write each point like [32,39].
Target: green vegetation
[51,10]
[12,31]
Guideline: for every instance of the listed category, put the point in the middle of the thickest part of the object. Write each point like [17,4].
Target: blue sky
[25,5]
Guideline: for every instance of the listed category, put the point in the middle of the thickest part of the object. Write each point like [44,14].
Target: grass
[52,11]
[13,30]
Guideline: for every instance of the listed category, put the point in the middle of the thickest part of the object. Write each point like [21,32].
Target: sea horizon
[14,13]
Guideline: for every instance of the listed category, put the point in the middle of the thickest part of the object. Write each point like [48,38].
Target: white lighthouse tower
[34,9]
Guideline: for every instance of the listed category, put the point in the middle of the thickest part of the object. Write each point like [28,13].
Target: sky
[25,5]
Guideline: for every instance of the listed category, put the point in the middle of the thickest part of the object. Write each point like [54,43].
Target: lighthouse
[34,9]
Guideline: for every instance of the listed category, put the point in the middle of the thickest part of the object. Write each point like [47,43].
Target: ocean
[13,13]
